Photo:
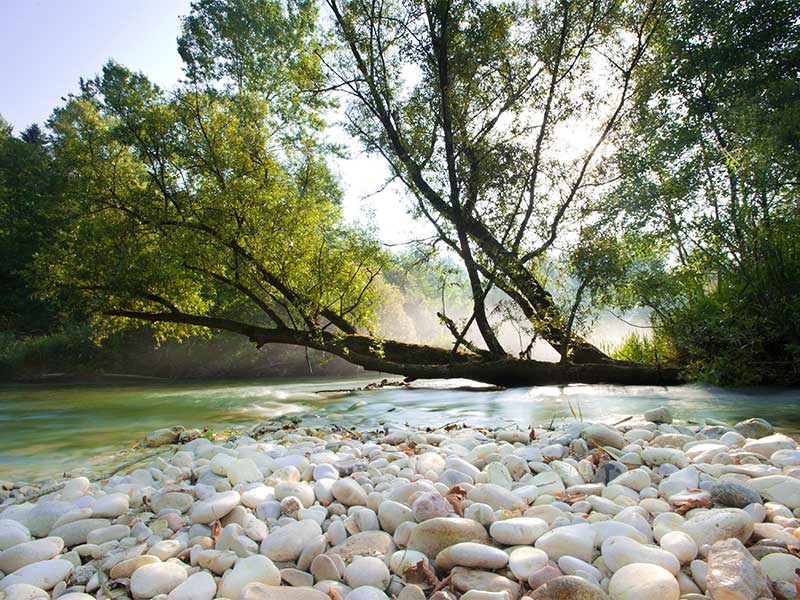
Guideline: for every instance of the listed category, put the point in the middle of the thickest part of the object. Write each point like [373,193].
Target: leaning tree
[212,206]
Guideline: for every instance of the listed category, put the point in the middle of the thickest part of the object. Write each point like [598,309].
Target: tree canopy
[570,156]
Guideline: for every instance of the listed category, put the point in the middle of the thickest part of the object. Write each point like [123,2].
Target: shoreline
[647,509]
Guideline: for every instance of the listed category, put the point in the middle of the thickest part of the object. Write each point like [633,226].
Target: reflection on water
[48,429]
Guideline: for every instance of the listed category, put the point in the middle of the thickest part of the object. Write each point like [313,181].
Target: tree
[470,104]
[29,217]
[212,207]
[710,180]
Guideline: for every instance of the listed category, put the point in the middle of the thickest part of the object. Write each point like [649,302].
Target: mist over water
[45,430]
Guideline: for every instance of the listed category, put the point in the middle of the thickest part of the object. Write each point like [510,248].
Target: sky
[48,45]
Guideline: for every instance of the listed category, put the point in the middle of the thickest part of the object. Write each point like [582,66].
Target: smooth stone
[680,545]
[620,551]
[663,456]
[575,566]
[733,574]
[569,587]
[603,435]
[200,586]
[391,514]
[434,535]
[734,495]
[366,593]
[572,540]
[499,498]
[286,543]
[13,533]
[718,524]
[402,560]
[25,591]
[27,553]
[754,428]
[258,568]
[215,507]
[179,501]
[323,567]
[482,595]
[430,505]
[781,567]
[367,571]
[643,581]
[679,481]
[658,415]
[367,543]
[161,437]
[260,591]
[609,471]
[778,488]
[525,561]
[473,555]
[157,578]
[473,579]
[518,531]
[75,533]
[541,576]
[348,492]
[43,574]
[111,506]
[770,444]
[636,479]
[607,529]
[785,458]
[125,568]
[243,470]
[412,592]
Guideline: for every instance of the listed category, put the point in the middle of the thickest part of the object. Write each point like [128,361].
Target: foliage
[470,103]
[709,173]
[644,349]
[203,201]
[30,188]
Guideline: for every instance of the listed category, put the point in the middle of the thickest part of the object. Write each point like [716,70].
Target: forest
[565,162]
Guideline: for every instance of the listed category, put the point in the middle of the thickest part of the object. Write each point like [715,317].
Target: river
[49,429]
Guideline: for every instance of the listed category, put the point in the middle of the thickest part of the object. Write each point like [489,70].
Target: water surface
[48,429]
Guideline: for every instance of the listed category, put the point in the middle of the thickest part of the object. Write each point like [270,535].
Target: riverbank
[647,509]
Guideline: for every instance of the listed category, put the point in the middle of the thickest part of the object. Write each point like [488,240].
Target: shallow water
[45,430]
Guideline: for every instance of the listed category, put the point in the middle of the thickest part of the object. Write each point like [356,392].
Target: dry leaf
[216,529]
[334,594]
[421,573]
[683,507]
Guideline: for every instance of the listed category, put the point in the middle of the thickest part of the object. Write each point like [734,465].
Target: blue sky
[48,45]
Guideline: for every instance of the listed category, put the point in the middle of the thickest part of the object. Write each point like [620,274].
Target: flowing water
[48,429]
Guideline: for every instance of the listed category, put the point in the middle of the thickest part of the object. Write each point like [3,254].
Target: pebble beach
[644,509]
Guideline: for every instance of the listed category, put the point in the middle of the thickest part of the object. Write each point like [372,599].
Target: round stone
[620,551]
[518,531]
[572,540]
[434,535]
[157,578]
[367,571]
[257,568]
[470,554]
[525,561]
[569,587]
[734,495]
[680,545]
[286,543]
[643,581]
[719,524]
[348,492]
[200,586]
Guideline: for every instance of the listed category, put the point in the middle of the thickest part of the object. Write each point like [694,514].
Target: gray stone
[608,471]
[754,428]
[733,574]
[734,495]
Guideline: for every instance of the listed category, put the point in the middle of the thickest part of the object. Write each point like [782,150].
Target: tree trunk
[418,361]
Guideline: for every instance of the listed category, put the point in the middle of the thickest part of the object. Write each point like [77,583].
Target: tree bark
[418,361]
